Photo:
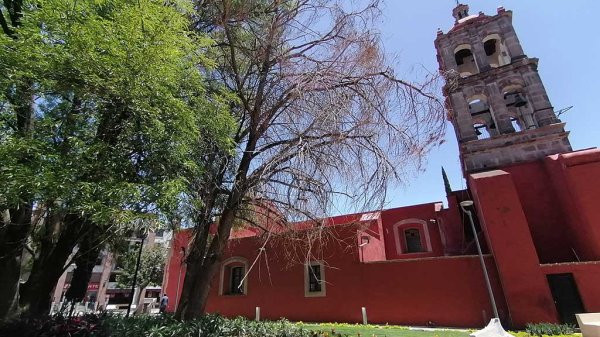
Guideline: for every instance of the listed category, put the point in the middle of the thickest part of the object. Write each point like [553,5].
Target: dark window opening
[413,240]
[99,260]
[461,55]
[314,278]
[490,47]
[235,281]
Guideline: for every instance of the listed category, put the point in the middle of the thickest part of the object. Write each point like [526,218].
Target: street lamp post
[135,274]
[463,206]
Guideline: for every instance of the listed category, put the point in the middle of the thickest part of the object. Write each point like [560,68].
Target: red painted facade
[368,264]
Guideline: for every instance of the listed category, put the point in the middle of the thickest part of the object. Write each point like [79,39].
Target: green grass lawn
[380,331]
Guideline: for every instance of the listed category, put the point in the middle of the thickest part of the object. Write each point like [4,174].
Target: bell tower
[495,97]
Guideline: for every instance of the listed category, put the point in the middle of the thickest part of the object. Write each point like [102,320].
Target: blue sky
[562,34]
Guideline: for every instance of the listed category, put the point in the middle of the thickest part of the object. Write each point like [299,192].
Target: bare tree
[321,118]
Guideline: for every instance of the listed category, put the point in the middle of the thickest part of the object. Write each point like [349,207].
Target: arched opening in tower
[495,50]
[516,124]
[481,131]
[465,62]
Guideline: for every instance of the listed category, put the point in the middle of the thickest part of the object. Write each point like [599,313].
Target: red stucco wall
[425,212]
[448,291]
[541,206]
[525,287]
[575,176]
[539,212]
[587,278]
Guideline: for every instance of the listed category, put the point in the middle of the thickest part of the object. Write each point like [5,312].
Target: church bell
[519,100]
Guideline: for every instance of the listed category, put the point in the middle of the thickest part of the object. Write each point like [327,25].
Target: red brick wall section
[373,249]
[541,206]
[575,176]
[448,291]
[451,229]
[587,278]
[393,217]
[500,212]
[175,268]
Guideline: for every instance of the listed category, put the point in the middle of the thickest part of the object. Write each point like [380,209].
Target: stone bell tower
[495,97]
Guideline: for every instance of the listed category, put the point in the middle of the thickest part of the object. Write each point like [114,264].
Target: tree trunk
[201,281]
[16,219]
[14,229]
[200,273]
[202,269]
[48,267]
[139,301]
[89,250]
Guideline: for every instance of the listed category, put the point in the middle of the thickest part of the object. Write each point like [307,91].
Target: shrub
[51,326]
[549,329]
[149,326]
[207,326]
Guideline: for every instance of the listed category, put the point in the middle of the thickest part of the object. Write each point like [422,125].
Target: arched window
[412,236]
[465,62]
[496,52]
[233,277]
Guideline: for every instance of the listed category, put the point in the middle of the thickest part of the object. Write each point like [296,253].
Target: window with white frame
[314,279]
[412,236]
[234,280]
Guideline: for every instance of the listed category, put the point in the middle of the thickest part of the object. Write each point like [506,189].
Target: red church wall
[175,268]
[575,176]
[587,279]
[525,287]
[450,222]
[418,216]
[532,212]
[559,197]
[541,207]
[371,242]
[448,291]
[585,184]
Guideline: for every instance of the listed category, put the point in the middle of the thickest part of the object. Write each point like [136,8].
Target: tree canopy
[118,100]
[103,105]
[152,264]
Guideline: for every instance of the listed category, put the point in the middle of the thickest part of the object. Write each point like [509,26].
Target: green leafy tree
[102,107]
[152,265]
[150,272]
